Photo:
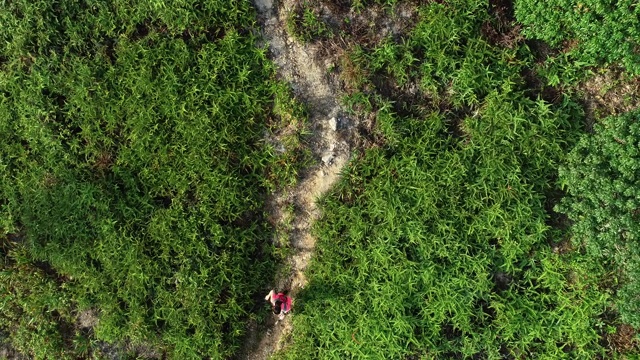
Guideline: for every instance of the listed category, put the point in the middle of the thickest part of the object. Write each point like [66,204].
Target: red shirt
[285,305]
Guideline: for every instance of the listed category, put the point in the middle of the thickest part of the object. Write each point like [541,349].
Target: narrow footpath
[301,66]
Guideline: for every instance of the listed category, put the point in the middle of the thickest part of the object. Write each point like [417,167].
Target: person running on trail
[280,303]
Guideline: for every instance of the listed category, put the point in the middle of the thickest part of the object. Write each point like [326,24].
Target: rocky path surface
[301,66]
[334,136]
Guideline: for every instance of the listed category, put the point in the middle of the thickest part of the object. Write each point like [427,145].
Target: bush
[36,311]
[602,178]
[134,163]
[603,31]
[435,245]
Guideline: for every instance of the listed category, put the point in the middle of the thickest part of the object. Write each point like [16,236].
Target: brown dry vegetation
[611,91]
[624,339]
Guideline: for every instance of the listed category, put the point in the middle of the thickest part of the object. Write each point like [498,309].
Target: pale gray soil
[302,67]
[306,67]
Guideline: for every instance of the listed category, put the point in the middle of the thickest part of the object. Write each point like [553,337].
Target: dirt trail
[300,65]
[333,134]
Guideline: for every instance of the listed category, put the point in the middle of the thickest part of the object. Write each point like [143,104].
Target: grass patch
[305,24]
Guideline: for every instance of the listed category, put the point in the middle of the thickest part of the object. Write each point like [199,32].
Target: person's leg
[270,297]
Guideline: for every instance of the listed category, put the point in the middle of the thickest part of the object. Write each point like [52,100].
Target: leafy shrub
[39,310]
[134,162]
[435,244]
[601,30]
[603,184]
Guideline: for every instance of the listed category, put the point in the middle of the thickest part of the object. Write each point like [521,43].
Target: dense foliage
[133,166]
[436,245]
[595,31]
[137,150]
[602,177]
[27,290]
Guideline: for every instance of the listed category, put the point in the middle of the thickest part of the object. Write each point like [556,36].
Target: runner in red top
[280,303]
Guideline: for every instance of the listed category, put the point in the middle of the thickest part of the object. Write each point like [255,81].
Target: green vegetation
[603,199]
[141,139]
[596,31]
[133,166]
[437,243]
[27,290]
[305,25]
